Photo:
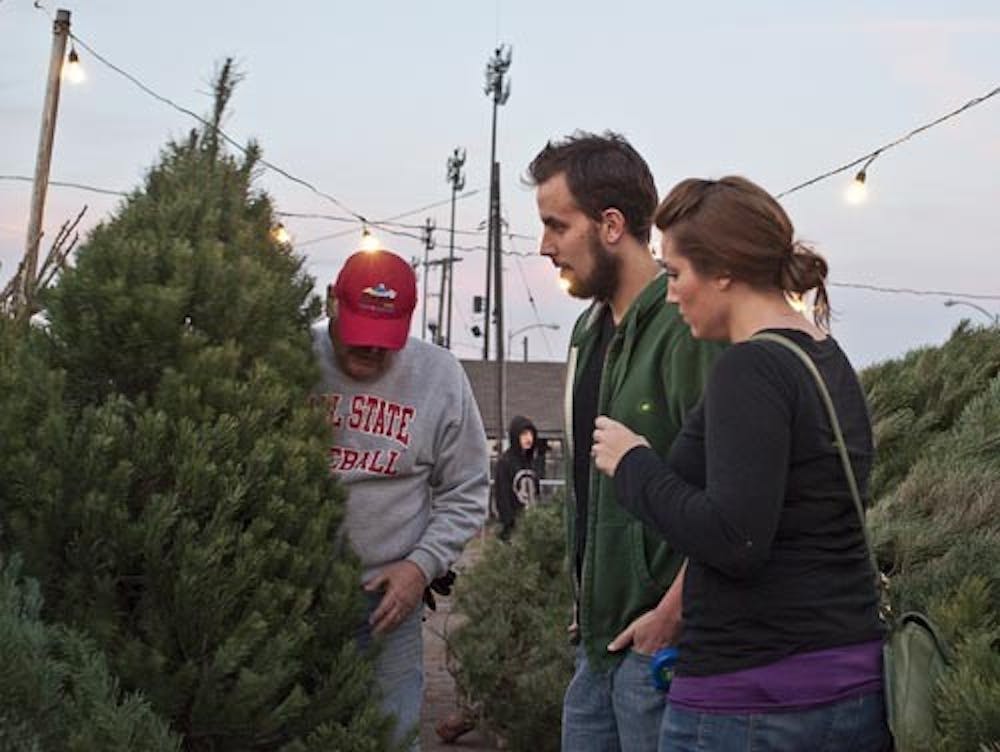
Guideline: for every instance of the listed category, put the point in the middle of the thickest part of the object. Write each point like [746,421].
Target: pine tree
[55,688]
[512,654]
[165,478]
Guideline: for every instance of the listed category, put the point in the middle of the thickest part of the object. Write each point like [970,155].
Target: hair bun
[802,269]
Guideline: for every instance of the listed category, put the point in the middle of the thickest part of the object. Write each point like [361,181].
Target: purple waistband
[804,680]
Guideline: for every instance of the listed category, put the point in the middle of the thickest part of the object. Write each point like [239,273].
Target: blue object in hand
[662,667]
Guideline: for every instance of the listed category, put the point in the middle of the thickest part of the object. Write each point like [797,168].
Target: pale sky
[367,101]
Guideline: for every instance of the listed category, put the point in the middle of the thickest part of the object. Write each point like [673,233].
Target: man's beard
[602,282]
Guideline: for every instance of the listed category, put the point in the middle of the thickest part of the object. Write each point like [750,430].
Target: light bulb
[280,234]
[72,69]
[369,243]
[564,284]
[857,191]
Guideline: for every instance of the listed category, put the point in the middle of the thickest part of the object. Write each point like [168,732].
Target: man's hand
[612,441]
[648,633]
[657,628]
[402,583]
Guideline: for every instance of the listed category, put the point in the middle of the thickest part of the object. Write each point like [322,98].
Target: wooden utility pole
[60,32]
[428,231]
[436,327]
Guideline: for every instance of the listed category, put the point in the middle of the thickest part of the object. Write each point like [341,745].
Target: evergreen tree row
[936,522]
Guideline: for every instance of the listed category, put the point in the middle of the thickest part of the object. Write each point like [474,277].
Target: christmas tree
[164,477]
[511,656]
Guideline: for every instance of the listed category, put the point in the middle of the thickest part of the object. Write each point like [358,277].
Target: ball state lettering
[372,415]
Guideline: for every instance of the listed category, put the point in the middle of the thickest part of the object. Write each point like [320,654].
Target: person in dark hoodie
[517,483]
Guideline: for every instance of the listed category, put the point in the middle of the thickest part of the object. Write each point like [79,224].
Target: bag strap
[838,435]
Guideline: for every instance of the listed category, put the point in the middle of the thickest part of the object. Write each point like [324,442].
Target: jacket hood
[518,424]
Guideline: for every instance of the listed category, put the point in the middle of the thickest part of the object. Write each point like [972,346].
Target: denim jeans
[620,711]
[399,670]
[856,724]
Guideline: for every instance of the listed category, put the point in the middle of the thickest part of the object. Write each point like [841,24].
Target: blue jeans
[399,670]
[620,711]
[856,724]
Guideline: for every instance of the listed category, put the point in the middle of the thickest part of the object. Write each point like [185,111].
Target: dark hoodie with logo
[517,483]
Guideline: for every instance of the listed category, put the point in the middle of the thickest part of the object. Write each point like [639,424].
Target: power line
[381,222]
[531,298]
[65,184]
[913,291]
[308,215]
[435,205]
[868,158]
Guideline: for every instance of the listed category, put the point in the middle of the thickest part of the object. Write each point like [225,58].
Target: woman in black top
[781,642]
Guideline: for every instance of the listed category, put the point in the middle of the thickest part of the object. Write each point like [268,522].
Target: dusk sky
[367,100]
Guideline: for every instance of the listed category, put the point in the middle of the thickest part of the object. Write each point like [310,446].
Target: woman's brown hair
[734,227]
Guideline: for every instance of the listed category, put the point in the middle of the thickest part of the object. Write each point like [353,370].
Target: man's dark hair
[602,172]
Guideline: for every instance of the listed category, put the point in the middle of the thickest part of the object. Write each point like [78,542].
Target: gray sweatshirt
[410,449]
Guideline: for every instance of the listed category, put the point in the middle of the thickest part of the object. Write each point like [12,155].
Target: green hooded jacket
[653,374]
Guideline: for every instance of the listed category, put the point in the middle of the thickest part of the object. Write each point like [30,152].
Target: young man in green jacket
[631,358]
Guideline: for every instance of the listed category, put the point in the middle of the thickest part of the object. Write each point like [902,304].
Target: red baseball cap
[376,293]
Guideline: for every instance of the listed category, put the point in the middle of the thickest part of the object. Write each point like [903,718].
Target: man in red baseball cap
[370,307]
[408,445]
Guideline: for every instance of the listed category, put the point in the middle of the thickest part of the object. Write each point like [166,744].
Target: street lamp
[529,327]
[503,380]
[993,317]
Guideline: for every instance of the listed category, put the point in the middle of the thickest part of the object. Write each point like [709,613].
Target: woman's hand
[612,441]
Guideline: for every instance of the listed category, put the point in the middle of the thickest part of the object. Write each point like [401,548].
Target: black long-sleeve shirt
[755,495]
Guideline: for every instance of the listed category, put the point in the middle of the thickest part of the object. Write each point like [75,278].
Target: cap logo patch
[379,298]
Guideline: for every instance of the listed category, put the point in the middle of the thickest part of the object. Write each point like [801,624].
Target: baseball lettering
[372,415]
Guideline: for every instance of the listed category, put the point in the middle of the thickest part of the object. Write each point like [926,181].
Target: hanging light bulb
[280,235]
[857,191]
[72,69]
[369,243]
[564,284]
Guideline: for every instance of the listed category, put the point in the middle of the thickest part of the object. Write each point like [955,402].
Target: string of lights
[398,232]
[407,234]
[870,157]
[378,222]
[222,134]
[393,227]
[356,222]
[860,178]
[479,232]
[512,252]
